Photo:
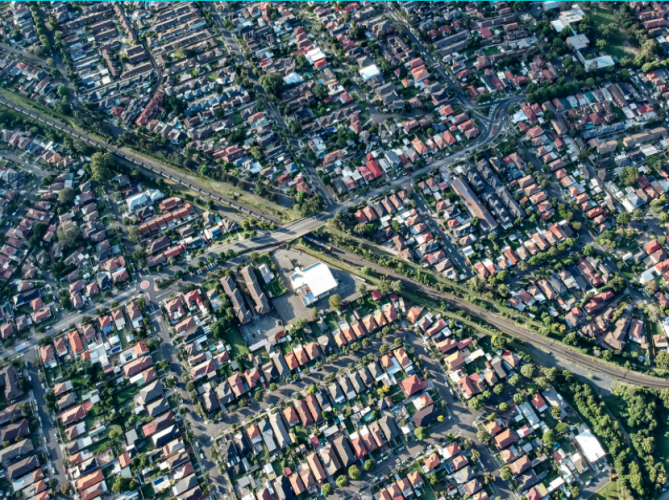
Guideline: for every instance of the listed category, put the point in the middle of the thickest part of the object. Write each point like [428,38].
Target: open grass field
[608,492]
[618,45]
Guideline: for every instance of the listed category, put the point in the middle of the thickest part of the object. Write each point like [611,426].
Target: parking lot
[289,306]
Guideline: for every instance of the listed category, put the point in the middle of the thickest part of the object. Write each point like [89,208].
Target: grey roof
[269,371]
[10,377]
[185,484]
[389,427]
[242,443]
[242,313]
[325,344]
[323,400]
[330,459]
[210,400]
[150,392]
[22,467]
[375,370]
[282,488]
[16,450]
[262,305]
[224,392]
[346,386]
[267,434]
[365,376]
[228,452]
[356,381]
[424,416]
[335,391]
[12,431]
[279,363]
[157,407]
[343,447]
[280,432]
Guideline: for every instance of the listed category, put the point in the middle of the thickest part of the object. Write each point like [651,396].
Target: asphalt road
[509,327]
[51,446]
[141,161]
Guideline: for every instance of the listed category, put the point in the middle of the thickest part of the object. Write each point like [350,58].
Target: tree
[369,465]
[650,287]
[320,91]
[574,490]
[588,250]
[505,473]
[475,403]
[624,218]
[608,30]
[134,234]
[421,433]
[601,44]
[100,166]
[335,302]
[527,370]
[255,151]
[69,235]
[618,283]
[66,196]
[272,83]
[549,438]
[514,380]
[556,411]
[629,175]
[499,342]
[354,472]
[63,92]
[498,389]
[475,456]
[342,481]
[503,406]
[326,489]
[662,360]
[432,478]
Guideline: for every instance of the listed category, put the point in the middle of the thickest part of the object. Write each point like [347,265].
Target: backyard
[234,337]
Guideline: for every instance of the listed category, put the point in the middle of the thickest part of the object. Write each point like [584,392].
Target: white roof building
[136,201]
[369,72]
[591,448]
[313,283]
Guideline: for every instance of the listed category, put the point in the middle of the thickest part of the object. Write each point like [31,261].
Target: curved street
[303,226]
[510,327]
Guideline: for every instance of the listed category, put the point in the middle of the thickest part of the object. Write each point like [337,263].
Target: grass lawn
[147,491]
[124,395]
[236,118]
[249,200]
[276,465]
[100,446]
[608,492]
[587,476]
[616,43]
[301,433]
[426,493]
[276,288]
[236,340]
